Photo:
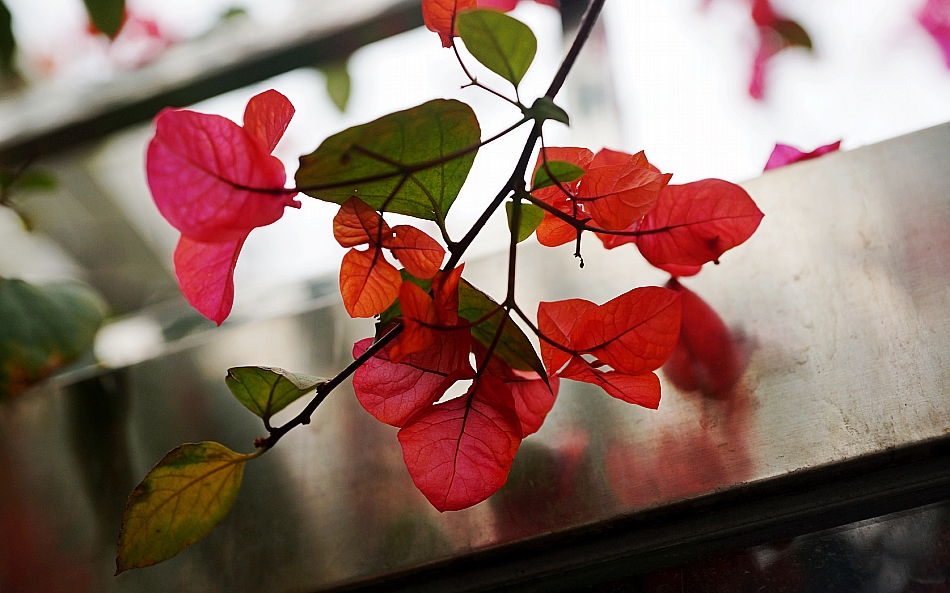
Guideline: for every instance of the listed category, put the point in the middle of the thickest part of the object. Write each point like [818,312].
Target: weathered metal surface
[841,300]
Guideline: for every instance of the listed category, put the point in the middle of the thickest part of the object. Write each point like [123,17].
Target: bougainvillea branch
[216,181]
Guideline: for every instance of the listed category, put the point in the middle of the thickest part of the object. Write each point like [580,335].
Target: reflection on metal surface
[844,290]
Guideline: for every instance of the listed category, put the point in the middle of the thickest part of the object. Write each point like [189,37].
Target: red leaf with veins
[357,223]
[533,398]
[419,253]
[205,273]
[211,179]
[445,289]
[634,332]
[642,390]
[783,154]
[556,320]
[368,283]
[440,14]
[553,231]
[697,222]
[617,196]
[394,392]
[267,116]
[459,452]
[418,317]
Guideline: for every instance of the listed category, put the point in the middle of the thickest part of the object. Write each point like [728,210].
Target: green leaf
[513,347]
[106,15]
[544,109]
[266,391]
[563,172]
[414,162]
[189,492]
[504,45]
[337,76]
[531,217]
[43,329]
[7,41]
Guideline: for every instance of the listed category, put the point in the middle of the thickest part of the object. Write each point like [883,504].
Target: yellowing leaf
[266,391]
[179,502]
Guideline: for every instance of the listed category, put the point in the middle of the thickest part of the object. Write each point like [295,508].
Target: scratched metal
[840,302]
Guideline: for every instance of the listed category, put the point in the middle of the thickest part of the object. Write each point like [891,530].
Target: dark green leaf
[563,172]
[266,391]
[513,347]
[337,76]
[504,45]
[107,16]
[414,162]
[793,33]
[42,329]
[531,217]
[7,41]
[545,109]
[189,492]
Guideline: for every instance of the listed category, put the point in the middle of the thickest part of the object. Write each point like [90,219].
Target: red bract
[616,190]
[439,16]
[935,18]
[459,452]
[533,398]
[633,333]
[393,392]
[706,356]
[369,284]
[696,223]
[215,182]
[423,316]
[783,154]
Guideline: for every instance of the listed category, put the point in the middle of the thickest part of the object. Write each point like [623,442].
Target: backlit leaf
[534,397]
[267,116]
[438,16]
[43,328]
[556,320]
[368,283]
[513,347]
[419,253]
[561,171]
[394,163]
[642,390]
[634,332]
[107,16]
[459,452]
[205,273]
[211,179]
[358,224]
[338,80]
[531,217]
[266,391]
[180,500]
[504,45]
[393,392]
[617,196]
[696,223]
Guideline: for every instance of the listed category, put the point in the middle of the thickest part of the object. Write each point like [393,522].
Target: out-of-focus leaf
[7,41]
[793,33]
[439,15]
[783,154]
[35,181]
[266,391]
[337,76]
[504,45]
[562,171]
[107,16]
[394,163]
[42,329]
[531,217]
[513,347]
[189,492]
